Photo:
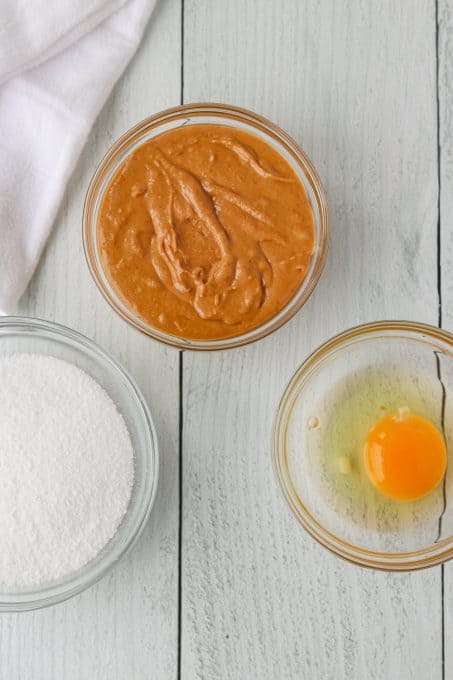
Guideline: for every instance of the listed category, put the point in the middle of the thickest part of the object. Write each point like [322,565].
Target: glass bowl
[193,114]
[326,411]
[22,335]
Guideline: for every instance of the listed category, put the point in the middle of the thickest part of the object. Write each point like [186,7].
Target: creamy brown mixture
[205,232]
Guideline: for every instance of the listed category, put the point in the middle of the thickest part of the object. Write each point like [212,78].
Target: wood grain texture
[445,18]
[445,46]
[127,625]
[355,84]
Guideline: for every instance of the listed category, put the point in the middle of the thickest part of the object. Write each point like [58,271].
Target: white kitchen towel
[59,60]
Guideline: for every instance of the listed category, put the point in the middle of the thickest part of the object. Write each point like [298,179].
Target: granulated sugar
[66,469]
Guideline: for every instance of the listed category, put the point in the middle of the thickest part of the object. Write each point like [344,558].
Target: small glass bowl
[22,335]
[193,114]
[347,377]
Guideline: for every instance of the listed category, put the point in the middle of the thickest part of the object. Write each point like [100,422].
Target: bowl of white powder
[78,463]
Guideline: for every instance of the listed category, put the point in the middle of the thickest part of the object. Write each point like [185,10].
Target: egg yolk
[405,455]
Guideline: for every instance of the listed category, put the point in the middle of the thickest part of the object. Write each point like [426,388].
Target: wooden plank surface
[446,158]
[445,53]
[127,625]
[355,84]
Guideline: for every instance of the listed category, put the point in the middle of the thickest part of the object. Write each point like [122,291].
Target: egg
[405,455]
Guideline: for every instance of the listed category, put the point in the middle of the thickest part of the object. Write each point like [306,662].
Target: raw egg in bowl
[362,443]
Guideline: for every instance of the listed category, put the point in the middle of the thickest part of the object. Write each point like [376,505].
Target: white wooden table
[224,584]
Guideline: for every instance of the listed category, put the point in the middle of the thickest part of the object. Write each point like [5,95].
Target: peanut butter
[205,231]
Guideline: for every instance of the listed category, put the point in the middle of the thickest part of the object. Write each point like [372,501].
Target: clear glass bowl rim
[397,562]
[239,115]
[87,576]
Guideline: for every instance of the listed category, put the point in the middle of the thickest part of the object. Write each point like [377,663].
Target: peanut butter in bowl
[204,231]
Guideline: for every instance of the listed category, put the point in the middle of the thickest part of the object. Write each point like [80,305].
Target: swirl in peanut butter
[205,232]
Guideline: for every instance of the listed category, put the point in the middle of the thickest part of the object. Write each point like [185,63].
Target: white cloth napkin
[59,60]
